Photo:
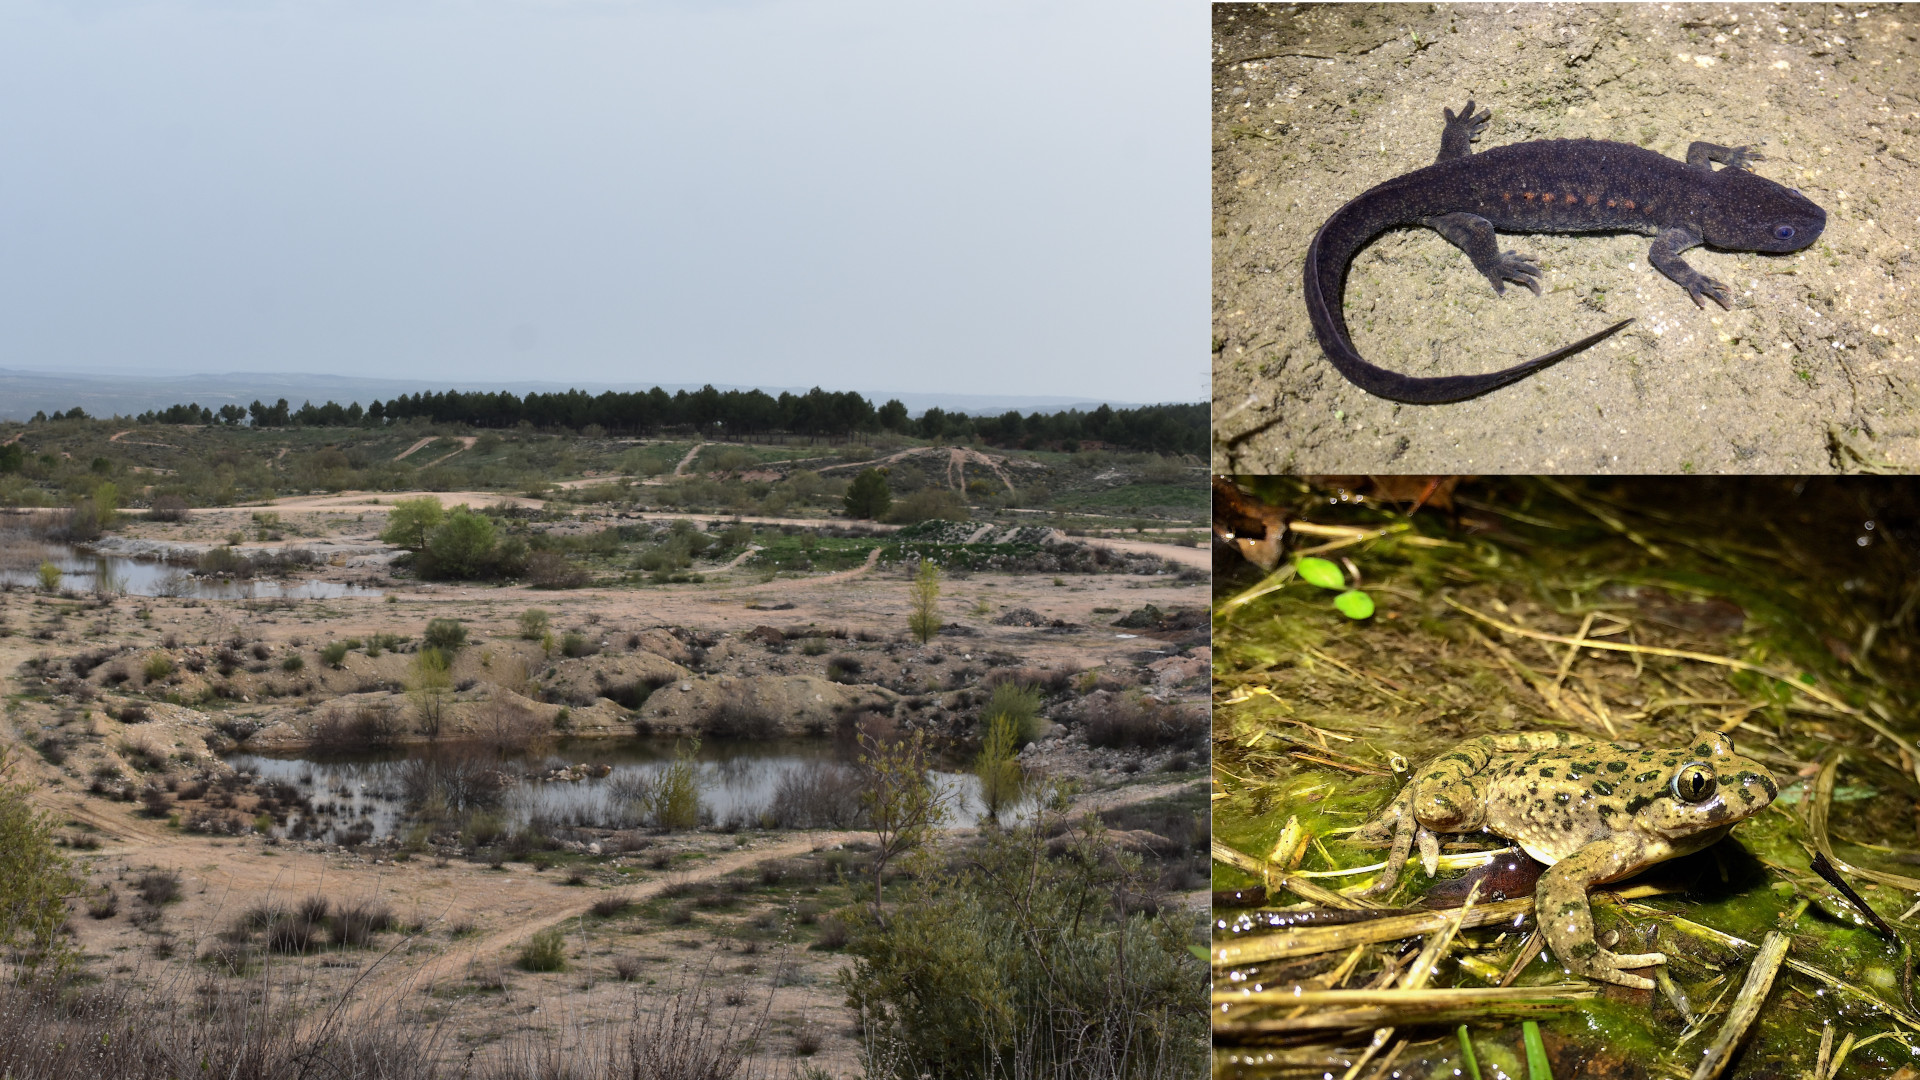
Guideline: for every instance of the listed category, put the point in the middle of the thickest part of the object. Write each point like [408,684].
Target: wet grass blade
[1746,1007]
[1466,1053]
[1537,1067]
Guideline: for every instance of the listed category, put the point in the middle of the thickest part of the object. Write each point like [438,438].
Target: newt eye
[1694,782]
[1784,232]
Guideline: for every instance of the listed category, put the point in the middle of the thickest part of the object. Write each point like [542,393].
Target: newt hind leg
[1473,234]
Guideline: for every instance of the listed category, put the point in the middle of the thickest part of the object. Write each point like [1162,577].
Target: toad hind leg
[1566,915]
[1473,234]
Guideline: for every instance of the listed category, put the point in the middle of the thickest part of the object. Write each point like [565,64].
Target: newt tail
[1330,324]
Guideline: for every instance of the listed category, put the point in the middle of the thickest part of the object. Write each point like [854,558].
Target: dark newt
[1552,185]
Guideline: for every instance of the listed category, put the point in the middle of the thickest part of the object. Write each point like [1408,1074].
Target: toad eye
[1784,232]
[1694,782]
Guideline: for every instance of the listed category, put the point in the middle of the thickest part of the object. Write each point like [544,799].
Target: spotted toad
[1594,812]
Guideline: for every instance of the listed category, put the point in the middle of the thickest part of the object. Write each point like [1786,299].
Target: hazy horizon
[998,199]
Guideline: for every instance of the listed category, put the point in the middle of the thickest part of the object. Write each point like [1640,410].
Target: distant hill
[23,393]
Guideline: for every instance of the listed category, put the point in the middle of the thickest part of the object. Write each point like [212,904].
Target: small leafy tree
[997,766]
[533,623]
[676,791]
[429,682]
[923,616]
[867,497]
[35,879]
[902,805]
[49,575]
[412,521]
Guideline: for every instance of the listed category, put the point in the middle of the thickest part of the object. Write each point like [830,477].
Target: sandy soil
[1813,370]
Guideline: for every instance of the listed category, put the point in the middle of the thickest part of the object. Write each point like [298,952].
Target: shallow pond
[84,571]
[738,782]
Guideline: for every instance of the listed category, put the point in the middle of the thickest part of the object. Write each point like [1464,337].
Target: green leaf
[1320,572]
[1354,604]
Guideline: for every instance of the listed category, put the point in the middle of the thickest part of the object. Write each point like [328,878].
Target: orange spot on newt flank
[1591,199]
[1609,202]
[1527,195]
[1571,199]
[1628,204]
[1506,196]
[1548,197]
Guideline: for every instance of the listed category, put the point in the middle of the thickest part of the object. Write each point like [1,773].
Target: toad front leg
[1566,914]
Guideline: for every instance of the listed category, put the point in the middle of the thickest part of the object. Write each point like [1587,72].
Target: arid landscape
[597,758]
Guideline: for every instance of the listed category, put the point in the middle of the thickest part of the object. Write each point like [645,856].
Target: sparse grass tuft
[612,904]
[545,951]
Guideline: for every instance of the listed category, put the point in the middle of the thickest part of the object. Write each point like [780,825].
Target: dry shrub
[1050,681]
[367,727]
[552,570]
[507,727]
[1118,720]
[355,924]
[850,728]
[456,777]
[738,720]
[822,797]
[158,887]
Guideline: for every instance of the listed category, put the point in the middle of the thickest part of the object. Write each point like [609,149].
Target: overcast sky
[977,197]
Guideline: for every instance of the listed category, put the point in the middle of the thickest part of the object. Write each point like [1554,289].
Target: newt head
[1752,213]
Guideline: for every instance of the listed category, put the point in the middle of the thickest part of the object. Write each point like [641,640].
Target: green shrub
[868,497]
[157,667]
[461,548]
[929,504]
[49,576]
[533,623]
[545,951]
[445,634]
[334,653]
[1019,705]
[293,662]
[380,643]
[576,646]
[1062,976]
[35,881]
